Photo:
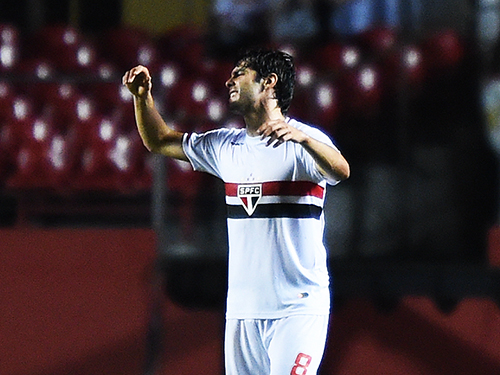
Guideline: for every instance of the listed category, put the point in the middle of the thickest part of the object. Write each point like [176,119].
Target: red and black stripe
[278,209]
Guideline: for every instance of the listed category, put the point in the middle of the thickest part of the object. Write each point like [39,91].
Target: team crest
[250,196]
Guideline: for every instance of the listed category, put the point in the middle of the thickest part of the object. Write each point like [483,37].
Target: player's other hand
[279,131]
[138,81]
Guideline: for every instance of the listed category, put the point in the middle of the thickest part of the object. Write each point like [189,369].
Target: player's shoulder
[221,133]
[224,134]
[309,129]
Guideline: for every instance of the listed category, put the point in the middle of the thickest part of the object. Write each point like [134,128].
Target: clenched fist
[138,81]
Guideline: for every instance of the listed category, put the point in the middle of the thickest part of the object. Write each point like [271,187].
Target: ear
[271,80]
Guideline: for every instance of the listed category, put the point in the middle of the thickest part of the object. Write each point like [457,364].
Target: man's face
[245,92]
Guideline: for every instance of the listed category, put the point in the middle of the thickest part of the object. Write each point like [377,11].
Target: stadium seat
[36,69]
[9,34]
[127,47]
[50,165]
[10,49]
[404,69]
[361,90]
[22,109]
[184,45]
[129,161]
[443,51]
[335,58]
[379,41]
[61,161]
[111,159]
[303,95]
[16,130]
[8,148]
[65,104]
[34,135]
[324,106]
[28,171]
[7,94]
[64,46]
[191,99]
[217,72]
[112,99]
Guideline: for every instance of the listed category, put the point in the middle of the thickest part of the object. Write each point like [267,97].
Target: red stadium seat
[33,136]
[191,99]
[128,157]
[7,95]
[216,109]
[38,70]
[361,90]
[444,51]
[217,72]
[118,165]
[22,109]
[127,47]
[335,58]
[169,74]
[379,41]
[9,47]
[66,104]
[19,129]
[111,159]
[39,131]
[404,69]
[64,46]
[28,173]
[112,99]
[49,165]
[61,161]
[184,45]
[9,145]
[303,95]
[325,106]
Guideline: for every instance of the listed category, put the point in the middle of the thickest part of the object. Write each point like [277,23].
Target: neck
[255,119]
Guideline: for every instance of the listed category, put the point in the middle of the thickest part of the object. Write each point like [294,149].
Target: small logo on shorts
[250,196]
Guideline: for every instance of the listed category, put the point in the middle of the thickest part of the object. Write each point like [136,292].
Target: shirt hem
[276,315]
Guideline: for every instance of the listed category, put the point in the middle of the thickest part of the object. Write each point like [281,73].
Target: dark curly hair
[266,62]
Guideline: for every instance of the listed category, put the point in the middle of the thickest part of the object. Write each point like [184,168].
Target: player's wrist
[304,139]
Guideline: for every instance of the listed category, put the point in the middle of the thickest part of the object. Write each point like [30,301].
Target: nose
[229,83]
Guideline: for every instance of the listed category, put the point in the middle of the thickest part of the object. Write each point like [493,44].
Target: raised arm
[156,135]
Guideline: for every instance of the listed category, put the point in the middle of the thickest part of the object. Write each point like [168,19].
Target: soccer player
[275,172]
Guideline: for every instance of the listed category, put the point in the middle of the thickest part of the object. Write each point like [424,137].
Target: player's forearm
[150,125]
[156,135]
[330,162]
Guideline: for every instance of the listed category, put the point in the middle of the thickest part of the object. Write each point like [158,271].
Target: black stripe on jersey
[276,210]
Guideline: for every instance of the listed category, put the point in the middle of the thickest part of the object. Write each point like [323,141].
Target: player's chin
[235,107]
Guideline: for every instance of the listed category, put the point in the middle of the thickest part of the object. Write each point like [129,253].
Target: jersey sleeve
[201,150]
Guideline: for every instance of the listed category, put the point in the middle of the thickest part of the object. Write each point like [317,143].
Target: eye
[238,73]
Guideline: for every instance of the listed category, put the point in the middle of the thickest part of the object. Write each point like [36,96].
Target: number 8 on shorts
[301,363]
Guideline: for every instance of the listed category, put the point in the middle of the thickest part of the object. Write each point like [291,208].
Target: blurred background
[114,260]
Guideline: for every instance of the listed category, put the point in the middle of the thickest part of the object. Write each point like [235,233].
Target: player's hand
[138,81]
[279,131]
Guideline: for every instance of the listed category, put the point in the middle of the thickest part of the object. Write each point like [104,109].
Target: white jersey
[274,197]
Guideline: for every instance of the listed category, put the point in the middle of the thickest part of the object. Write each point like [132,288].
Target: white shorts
[289,346]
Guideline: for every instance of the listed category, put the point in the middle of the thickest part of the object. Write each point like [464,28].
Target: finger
[134,73]
[266,132]
[128,77]
[275,136]
[282,140]
[267,126]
